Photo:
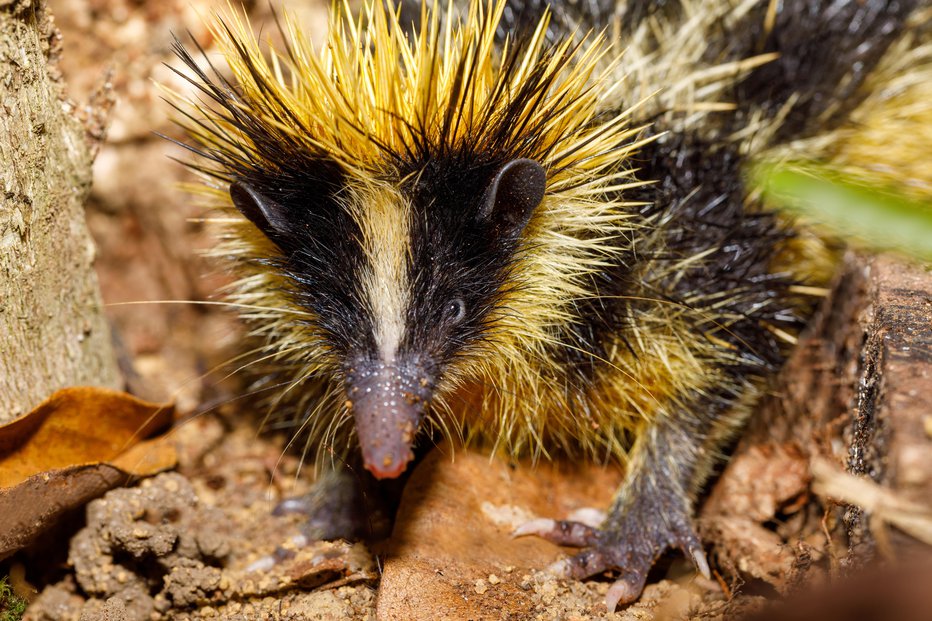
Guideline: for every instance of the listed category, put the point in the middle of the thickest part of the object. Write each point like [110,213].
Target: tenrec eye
[456,311]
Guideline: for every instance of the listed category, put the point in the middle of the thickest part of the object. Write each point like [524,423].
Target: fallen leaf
[73,447]
[452,553]
[76,426]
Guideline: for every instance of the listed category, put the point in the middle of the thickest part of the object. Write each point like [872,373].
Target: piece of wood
[890,438]
[52,330]
[855,395]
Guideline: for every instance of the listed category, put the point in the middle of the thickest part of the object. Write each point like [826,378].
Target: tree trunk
[52,329]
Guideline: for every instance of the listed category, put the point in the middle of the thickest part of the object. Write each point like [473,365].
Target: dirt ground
[202,542]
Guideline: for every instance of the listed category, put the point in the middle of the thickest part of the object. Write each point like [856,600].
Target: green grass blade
[877,218]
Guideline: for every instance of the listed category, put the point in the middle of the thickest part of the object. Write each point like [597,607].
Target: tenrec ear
[262,211]
[515,192]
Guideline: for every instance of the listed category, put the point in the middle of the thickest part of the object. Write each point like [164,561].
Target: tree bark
[52,329]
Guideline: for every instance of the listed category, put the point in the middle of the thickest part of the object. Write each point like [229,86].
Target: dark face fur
[401,279]
[398,217]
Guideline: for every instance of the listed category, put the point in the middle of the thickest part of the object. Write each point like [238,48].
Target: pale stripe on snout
[383,217]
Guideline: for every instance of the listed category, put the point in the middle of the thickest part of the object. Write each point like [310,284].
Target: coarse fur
[411,154]
[637,310]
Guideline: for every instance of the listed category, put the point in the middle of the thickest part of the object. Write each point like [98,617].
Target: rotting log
[890,437]
[856,394]
[52,328]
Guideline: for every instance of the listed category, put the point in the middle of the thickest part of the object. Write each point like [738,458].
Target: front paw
[341,505]
[628,543]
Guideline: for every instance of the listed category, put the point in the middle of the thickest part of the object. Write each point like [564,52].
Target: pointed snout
[388,402]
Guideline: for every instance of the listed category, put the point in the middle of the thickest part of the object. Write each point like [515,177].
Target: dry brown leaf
[74,446]
[76,426]
[452,554]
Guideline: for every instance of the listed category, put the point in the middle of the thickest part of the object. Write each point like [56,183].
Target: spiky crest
[375,100]
[376,105]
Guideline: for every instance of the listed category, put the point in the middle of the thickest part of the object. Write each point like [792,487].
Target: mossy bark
[52,329]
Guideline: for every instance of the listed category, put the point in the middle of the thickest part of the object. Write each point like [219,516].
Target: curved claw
[701,562]
[691,546]
[590,516]
[539,527]
[560,532]
[625,590]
